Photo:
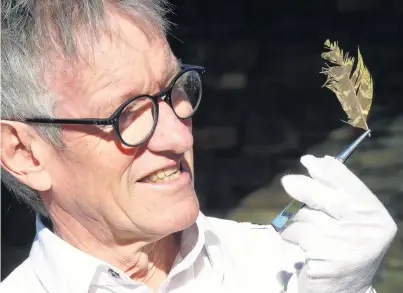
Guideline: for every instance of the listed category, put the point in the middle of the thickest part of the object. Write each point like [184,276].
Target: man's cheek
[189,160]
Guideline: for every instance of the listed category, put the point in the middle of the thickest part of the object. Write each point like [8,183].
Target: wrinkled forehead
[127,52]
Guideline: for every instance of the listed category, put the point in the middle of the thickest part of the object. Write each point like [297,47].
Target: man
[96,137]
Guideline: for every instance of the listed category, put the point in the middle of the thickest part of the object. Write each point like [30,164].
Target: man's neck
[155,262]
[145,262]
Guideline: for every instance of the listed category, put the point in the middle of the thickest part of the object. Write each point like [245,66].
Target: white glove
[344,229]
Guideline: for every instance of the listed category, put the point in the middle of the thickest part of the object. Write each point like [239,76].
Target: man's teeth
[163,175]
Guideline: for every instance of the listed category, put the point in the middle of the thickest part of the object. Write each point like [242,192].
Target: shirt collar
[63,268]
[60,266]
[213,245]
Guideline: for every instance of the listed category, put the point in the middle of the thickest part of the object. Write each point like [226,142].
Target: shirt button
[113,274]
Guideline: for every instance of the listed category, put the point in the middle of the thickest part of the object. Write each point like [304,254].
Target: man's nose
[171,133]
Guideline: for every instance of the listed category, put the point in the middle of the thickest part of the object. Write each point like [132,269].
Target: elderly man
[96,138]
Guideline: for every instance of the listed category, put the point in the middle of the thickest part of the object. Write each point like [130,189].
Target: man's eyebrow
[119,98]
[124,95]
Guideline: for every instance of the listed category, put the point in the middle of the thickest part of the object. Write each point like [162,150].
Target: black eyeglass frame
[114,118]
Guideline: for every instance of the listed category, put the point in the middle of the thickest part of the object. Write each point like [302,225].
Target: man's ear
[23,154]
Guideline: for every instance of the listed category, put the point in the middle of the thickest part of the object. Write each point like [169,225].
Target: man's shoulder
[263,241]
[21,280]
[274,261]
[245,230]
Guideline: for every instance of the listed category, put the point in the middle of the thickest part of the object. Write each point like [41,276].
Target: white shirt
[216,256]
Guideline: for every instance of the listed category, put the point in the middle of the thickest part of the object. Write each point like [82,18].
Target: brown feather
[354,90]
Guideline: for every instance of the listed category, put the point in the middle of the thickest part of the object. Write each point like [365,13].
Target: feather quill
[354,89]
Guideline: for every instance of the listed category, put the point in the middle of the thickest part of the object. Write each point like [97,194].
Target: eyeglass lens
[136,122]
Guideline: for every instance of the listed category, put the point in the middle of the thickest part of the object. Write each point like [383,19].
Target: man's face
[97,177]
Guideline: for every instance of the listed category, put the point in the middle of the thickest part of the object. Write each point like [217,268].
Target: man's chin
[163,219]
[181,216]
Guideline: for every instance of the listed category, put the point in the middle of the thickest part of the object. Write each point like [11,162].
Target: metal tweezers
[281,220]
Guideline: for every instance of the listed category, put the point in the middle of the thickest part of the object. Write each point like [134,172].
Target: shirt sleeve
[259,255]
[273,263]
[292,286]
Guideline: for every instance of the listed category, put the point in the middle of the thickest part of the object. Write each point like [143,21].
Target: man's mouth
[163,175]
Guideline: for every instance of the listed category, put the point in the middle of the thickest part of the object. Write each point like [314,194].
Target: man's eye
[130,114]
[134,111]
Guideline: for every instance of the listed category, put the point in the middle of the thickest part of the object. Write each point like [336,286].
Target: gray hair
[33,29]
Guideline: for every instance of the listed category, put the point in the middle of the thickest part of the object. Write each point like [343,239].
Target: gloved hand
[344,229]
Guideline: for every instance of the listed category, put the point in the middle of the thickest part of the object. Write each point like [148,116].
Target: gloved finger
[302,234]
[317,218]
[314,194]
[334,174]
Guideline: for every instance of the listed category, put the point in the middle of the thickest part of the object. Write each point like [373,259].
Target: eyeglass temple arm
[280,221]
[80,121]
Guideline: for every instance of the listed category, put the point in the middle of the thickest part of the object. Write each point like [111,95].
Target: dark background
[264,107]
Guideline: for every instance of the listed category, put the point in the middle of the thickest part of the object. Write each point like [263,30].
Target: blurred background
[264,107]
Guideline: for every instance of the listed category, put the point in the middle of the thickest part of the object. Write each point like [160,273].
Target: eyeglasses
[136,119]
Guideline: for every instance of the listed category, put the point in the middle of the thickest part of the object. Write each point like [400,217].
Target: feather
[354,89]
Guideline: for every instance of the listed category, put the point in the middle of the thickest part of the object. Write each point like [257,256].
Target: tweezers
[280,221]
